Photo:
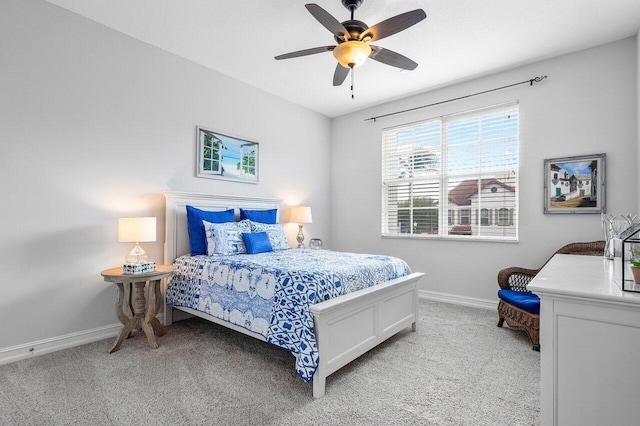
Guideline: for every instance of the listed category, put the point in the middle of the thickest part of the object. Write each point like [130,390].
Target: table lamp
[300,215]
[137,230]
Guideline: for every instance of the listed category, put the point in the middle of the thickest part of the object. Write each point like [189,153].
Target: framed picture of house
[221,156]
[575,184]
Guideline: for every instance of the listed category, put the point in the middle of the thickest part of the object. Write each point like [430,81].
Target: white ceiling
[459,40]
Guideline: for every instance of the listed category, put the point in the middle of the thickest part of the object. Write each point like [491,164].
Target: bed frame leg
[318,385]
[168,315]
[414,326]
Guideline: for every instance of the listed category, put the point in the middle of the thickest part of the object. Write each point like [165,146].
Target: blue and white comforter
[270,293]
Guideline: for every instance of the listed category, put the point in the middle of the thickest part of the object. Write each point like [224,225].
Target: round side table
[138,315]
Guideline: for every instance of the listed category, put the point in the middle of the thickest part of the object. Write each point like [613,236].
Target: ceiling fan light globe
[351,54]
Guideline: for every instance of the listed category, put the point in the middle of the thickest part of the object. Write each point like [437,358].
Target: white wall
[586,106]
[93,126]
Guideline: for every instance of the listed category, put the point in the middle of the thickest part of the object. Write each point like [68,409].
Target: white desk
[590,344]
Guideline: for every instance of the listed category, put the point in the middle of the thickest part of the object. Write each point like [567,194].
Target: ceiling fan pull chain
[352,82]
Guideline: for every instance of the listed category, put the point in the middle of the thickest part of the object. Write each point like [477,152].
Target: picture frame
[575,184]
[226,157]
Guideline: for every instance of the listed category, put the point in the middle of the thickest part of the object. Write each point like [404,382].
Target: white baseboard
[45,346]
[473,302]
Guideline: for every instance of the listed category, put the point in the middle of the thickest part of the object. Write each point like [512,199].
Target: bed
[339,328]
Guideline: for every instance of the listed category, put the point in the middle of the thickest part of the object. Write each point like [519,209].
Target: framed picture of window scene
[575,184]
[222,156]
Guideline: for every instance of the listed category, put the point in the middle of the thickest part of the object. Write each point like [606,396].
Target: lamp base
[136,255]
[300,237]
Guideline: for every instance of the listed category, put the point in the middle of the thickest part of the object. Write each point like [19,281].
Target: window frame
[475,215]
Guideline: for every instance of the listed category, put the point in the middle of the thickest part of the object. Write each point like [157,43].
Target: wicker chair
[517,279]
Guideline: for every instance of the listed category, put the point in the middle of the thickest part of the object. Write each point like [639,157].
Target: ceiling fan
[354,38]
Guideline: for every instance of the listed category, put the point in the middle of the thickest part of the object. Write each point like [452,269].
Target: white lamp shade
[300,214]
[136,229]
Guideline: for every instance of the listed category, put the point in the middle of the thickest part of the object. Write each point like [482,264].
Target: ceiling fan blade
[392,58]
[306,52]
[340,75]
[328,21]
[394,25]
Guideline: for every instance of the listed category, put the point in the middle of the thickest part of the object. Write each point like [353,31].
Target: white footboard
[350,325]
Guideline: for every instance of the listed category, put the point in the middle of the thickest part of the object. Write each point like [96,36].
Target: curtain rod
[531,81]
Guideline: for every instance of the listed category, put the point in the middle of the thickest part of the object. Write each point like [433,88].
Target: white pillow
[225,238]
[275,231]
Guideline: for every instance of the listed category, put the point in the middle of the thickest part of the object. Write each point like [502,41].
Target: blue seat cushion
[524,300]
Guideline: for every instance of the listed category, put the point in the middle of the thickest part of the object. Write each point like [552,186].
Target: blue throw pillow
[257,243]
[197,235]
[524,300]
[262,216]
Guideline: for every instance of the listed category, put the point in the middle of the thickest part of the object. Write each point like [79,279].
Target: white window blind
[454,176]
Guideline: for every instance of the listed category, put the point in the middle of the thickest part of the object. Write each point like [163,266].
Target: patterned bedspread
[270,293]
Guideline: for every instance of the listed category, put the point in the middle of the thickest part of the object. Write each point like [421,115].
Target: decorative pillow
[275,231]
[226,238]
[257,243]
[197,235]
[262,216]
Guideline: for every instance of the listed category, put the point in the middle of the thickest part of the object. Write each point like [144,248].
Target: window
[248,158]
[211,158]
[503,217]
[440,173]
[465,217]
[484,217]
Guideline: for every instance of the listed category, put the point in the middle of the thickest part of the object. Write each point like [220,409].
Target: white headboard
[176,237]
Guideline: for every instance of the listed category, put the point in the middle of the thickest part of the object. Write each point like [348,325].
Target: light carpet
[457,369]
